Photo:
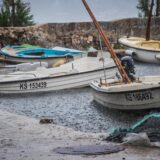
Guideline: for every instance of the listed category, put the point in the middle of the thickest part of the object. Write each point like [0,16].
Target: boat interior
[135,39]
[149,44]
[84,64]
[150,79]
[141,42]
[35,54]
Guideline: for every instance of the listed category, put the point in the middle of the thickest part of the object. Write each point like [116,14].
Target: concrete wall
[76,35]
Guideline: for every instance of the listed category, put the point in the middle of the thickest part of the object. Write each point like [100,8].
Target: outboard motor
[128,64]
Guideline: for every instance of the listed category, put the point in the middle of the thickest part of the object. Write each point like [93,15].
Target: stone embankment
[76,35]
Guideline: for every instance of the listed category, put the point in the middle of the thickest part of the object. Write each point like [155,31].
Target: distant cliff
[76,35]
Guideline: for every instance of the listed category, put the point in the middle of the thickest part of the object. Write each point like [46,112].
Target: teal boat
[29,53]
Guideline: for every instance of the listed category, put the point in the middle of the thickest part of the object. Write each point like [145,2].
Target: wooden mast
[149,22]
[124,76]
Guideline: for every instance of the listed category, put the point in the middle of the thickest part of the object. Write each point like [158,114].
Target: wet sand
[23,138]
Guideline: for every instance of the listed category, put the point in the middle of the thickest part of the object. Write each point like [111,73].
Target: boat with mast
[143,49]
[126,93]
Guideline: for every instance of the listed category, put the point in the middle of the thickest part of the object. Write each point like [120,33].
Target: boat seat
[35,53]
[155,45]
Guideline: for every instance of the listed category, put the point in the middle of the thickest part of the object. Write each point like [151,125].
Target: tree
[15,13]
[158,8]
[144,7]
[5,14]
[22,17]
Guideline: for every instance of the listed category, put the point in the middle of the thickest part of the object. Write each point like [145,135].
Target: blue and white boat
[21,54]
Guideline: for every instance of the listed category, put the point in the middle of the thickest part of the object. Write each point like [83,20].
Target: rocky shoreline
[76,35]
[25,138]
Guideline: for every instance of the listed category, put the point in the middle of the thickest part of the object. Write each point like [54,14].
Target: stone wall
[76,35]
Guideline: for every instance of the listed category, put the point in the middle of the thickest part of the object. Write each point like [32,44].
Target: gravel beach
[22,137]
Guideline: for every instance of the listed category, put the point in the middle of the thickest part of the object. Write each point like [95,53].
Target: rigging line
[100,42]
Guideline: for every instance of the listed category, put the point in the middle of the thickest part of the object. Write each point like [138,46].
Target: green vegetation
[15,13]
[144,7]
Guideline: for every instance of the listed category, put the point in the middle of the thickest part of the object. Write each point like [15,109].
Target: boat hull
[145,56]
[141,50]
[50,60]
[75,80]
[128,100]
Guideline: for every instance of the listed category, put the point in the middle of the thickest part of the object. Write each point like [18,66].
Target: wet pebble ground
[75,108]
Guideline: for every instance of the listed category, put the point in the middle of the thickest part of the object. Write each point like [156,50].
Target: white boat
[126,92]
[76,74]
[22,67]
[134,96]
[142,50]
[145,50]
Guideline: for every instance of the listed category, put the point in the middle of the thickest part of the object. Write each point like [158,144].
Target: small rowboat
[24,54]
[127,92]
[141,49]
[134,96]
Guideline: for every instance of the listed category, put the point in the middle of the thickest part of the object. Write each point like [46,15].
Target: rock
[46,121]
[140,139]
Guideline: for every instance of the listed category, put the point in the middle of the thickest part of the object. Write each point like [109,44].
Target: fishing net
[150,125]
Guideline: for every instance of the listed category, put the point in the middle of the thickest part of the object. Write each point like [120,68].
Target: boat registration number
[32,85]
[139,96]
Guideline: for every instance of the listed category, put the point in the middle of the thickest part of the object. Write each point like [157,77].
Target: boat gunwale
[37,57]
[98,89]
[17,54]
[144,49]
[59,76]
